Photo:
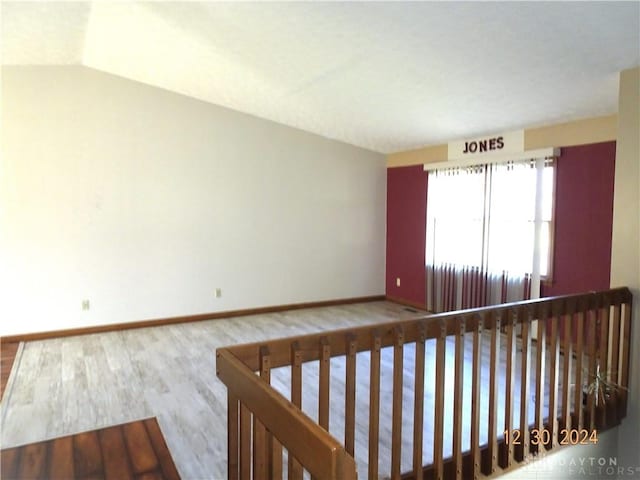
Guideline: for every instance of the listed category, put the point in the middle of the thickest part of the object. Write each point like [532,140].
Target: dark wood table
[131,450]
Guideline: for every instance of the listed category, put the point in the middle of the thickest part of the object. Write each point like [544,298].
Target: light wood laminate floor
[68,385]
[73,384]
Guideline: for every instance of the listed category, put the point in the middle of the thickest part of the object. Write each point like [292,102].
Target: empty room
[332,240]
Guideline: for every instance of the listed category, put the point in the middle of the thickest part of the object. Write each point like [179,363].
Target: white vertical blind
[488,229]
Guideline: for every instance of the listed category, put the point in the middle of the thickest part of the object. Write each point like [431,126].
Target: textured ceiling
[384,76]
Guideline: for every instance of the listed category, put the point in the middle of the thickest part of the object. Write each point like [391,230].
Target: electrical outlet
[398,282]
[86,305]
[218,292]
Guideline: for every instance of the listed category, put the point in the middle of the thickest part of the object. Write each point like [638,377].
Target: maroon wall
[406,225]
[584,218]
[583,224]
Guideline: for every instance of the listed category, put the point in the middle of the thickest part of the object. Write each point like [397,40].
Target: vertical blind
[488,233]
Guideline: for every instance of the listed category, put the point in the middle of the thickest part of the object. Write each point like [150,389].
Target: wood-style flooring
[122,452]
[74,384]
[7,357]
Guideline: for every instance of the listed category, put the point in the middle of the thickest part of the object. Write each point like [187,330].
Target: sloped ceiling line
[383,76]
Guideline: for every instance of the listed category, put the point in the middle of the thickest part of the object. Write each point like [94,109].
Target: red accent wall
[584,218]
[406,225]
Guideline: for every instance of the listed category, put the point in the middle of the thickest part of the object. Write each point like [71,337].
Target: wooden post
[350,394]
[274,448]
[245,443]
[592,338]
[554,356]
[457,398]
[578,410]
[493,392]
[624,362]
[438,411]
[567,356]
[603,354]
[476,386]
[374,405]
[260,434]
[525,385]
[396,415]
[324,383]
[418,404]
[233,424]
[294,468]
[541,345]
[509,384]
[615,356]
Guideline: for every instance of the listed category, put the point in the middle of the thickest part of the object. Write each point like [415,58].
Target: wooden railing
[542,357]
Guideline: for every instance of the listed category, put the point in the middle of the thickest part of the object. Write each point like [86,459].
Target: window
[489,227]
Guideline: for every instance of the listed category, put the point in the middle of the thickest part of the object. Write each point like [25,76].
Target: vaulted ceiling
[384,76]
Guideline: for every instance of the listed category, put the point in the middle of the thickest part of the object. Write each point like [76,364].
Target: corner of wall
[625,252]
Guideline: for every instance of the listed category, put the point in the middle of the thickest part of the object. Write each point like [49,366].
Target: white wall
[625,251]
[144,201]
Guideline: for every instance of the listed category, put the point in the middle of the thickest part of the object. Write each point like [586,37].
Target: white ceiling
[384,76]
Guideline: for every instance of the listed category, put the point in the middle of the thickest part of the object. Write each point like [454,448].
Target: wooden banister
[249,353]
[561,343]
[321,454]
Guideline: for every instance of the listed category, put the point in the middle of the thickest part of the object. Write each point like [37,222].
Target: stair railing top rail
[524,311]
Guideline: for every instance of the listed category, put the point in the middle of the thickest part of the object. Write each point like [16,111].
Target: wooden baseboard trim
[406,303]
[25,337]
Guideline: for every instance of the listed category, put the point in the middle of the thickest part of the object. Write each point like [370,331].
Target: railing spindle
[578,410]
[541,345]
[374,405]
[624,362]
[554,357]
[260,434]
[350,394]
[567,358]
[525,379]
[324,382]
[418,404]
[615,350]
[493,392]
[294,468]
[591,404]
[457,398]
[233,424]
[603,313]
[245,443]
[476,387]
[438,411]
[509,386]
[396,423]
[274,448]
